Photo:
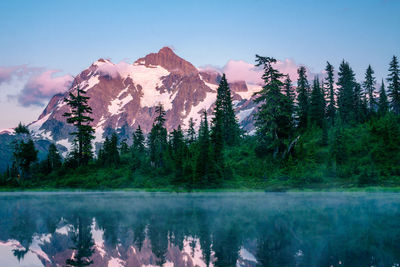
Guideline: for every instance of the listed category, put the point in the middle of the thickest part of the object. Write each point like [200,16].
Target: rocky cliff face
[124,96]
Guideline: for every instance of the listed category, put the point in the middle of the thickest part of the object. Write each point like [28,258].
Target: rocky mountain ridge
[124,96]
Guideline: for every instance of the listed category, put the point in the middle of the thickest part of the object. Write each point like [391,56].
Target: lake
[199,229]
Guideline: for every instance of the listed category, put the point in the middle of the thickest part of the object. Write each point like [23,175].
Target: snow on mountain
[123,96]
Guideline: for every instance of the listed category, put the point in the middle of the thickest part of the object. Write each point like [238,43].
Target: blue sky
[70,35]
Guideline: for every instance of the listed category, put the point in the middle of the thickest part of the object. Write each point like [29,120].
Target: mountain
[124,96]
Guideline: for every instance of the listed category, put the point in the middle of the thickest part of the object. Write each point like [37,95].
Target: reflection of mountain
[136,229]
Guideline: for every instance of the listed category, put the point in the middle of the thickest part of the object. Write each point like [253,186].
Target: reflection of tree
[204,236]
[109,222]
[226,246]
[83,244]
[274,244]
[23,231]
[20,253]
[158,235]
[292,233]
[139,235]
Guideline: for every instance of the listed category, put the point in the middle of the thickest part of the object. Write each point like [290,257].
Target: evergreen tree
[383,104]
[225,115]
[218,126]
[157,140]
[289,92]
[338,149]
[138,140]
[80,118]
[112,150]
[108,154]
[369,87]
[394,85]
[204,164]
[231,130]
[273,119]
[24,153]
[302,98]
[123,147]
[179,152]
[191,133]
[21,129]
[317,104]
[329,82]
[53,158]
[346,84]
[360,104]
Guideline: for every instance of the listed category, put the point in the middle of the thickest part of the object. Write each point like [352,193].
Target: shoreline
[368,189]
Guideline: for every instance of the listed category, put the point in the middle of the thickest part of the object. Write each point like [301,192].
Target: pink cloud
[41,87]
[239,70]
[7,73]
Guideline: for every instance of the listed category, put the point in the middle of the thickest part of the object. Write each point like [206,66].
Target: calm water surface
[210,229]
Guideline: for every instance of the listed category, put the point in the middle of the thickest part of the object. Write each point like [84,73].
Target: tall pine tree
[79,116]
[157,140]
[289,92]
[53,158]
[394,85]
[273,119]
[303,89]
[329,83]
[369,87]
[383,104]
[205,169]
[225,114]
[191,133]
[346,85]
[24,153]
[179,153]
[317,104]
[218,124]
[360,104]
[138,140]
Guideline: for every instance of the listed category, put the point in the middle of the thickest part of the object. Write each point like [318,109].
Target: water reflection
[83,243]
[136,229]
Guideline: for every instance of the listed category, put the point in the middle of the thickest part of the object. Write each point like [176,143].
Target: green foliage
[329,83]
[383,104]
[109,154]
[21,129]
[394,85]
[157,140]
[274,118]
[346,85]
[53,160]
[79,116]
[205,173]
[356,148]
[317,105]
[289,92]
[25,154]
[303,89]
[369,87]
[191,132]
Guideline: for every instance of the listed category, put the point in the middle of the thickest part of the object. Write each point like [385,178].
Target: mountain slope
[124,96]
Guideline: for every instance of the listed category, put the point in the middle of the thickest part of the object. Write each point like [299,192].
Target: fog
[214,229]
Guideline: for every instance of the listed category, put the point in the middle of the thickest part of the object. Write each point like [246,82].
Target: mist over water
[203,229]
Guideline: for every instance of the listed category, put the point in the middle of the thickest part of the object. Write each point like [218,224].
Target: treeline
[330,128]
[190,158]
